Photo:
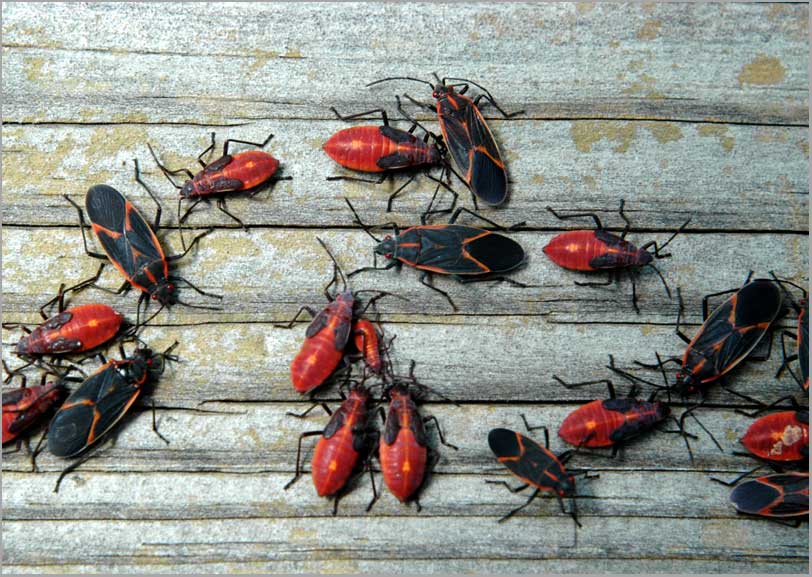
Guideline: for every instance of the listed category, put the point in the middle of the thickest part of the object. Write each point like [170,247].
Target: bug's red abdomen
[778,437]
[592,422]
[366,341]
[589,250]
[324,346]
[378,148]
[233,173]
[333,462]
[403,464]
[22,407]
[76,329]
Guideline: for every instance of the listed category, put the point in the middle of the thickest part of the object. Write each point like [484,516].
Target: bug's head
[644,257]
[188,189]
[566,487]
[386,247]
[687,384]
[165,293]
[441,91]
[138,367]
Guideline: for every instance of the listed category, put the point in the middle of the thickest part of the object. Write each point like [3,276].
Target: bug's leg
[429,107]
[425,280]
[773,405]
[388,265]
[680,312]
[627,225]
[82,229]
[197,290]
[60,296]
[609,280]
[634,291]
[657,248]
[430,208]
[182,218]
[592,215]
[262,144]
[157,222]
[73,466]
[737,479]
[356,179]
[358,115]
[517,509]
[462,209]
[531,429]
[490,99]
[395,194]
[208,149]
[516,489]
[440,432]
[707,297]
[313,406]
[760,358]
[155,425]
[607,382]
[195,240]
[221,205]
[299,457]
[292,322]
[167,172]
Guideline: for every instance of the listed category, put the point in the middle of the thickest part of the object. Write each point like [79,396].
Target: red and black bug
[403,450]
[25,406]
[247,171]
[536,467]
[802,339]
[467,136]
[781,496]
[340,446]
[613,421]
[601,250]
[132,247]
[383,149]
[467,253]
[728,336]
[99,403]
[327,334]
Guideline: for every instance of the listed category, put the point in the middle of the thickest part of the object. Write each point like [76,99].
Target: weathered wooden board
[696,111]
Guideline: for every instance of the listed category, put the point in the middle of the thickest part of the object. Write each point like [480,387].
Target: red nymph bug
[403,450]
[613,421]
[467,136]
[99,403]
[779,437]
[247,171]
[383,149]
[781,496]
[368,342]
[132,247]
[601,250]
[327,334]
[467,253]
[536,467]
[23,407]
[340,446]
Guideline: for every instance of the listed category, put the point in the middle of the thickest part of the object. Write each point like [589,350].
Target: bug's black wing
[90,411]
[458,140]
[773,496]
[486,176]
[441,249]
[522,456]
[123,233]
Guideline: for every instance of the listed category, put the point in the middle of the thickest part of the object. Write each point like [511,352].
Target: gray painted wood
[685,111]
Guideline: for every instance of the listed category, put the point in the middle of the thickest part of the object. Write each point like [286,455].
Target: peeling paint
[763,71]
[720,132]
[650,30]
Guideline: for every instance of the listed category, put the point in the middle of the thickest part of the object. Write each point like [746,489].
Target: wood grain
[683,110]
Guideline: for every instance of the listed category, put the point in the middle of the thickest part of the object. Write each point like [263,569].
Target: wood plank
[721,176]
[741,64]
[266,274]
[260,438]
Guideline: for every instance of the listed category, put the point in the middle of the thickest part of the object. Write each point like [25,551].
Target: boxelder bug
[24,406]
[536,467]
[782,436]
[467,253]
[781,496]
[613,421]
[467,136]
[328,333]
[245,171]
[729,334]
[340,445]
[100,402]
[132,247]
[601,250]
[368,342]
[383,149]
[403,449]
